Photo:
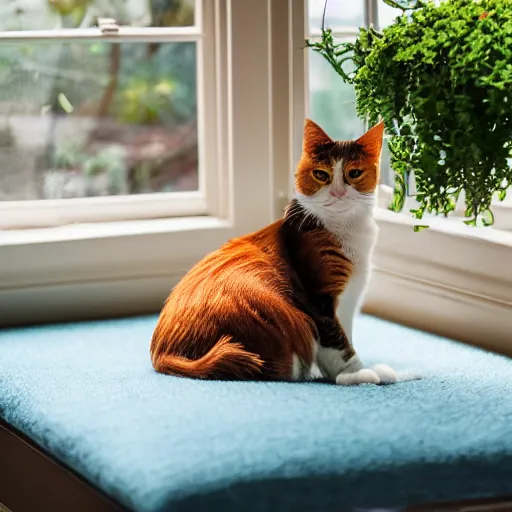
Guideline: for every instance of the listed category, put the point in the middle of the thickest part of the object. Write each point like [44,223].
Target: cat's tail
[226,359]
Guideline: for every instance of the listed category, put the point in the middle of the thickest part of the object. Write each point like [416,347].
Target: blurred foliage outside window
[81,119]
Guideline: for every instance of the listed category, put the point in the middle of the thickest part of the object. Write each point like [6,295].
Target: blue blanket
[87,393]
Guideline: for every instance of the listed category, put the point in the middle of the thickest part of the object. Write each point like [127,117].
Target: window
[451,279]
[245,83]
[102,109]
[331,101]
[192,146]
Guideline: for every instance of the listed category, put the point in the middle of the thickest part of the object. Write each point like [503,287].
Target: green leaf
[419,227]
[65,103]
[487,218]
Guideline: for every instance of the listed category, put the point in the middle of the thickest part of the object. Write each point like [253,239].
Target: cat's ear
[372,140]
[313,137]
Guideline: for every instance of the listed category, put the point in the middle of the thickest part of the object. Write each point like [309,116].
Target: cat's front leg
[349,304]
[343,366]
[378,374]
[347,370]
[339,362]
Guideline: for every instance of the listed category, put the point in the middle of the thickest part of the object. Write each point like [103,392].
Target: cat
[279,304]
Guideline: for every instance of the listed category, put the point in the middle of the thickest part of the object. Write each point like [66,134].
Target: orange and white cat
[279,304]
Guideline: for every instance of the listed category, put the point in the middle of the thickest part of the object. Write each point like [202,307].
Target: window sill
[93,231]
[503,215]
[450,279]
[98,270]
[502,209]
[52,213]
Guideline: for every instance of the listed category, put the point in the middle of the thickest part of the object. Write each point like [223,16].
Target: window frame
[204,201]
[86,270]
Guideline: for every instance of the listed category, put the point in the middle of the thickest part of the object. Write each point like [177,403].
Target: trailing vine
[440,76]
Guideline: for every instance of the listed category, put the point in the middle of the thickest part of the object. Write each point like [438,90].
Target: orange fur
[314,137]
[241,291]
[316,142]
[246,309]
[332,269]
[225,357]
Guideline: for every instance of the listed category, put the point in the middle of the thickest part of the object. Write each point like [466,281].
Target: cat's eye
[354,173]
[321,176]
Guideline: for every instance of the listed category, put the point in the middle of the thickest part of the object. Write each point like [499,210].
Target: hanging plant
[440,76]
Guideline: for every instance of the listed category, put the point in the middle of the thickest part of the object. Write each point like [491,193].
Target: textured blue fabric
[87,393]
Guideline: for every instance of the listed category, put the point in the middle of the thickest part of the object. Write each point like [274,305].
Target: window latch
[108,26]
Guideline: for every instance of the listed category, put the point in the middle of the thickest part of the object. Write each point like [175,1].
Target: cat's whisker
[295,212]
[309,215]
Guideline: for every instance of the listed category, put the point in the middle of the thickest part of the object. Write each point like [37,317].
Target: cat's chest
[358,247]
[340,265]
[327,259]
[357,244]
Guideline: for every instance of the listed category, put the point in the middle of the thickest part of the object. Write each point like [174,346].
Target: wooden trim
[481,505]
[31,480]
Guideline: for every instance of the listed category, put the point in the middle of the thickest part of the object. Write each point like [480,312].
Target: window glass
[332,101]
[55,14]
[338,14]
[92,119]
[387,14]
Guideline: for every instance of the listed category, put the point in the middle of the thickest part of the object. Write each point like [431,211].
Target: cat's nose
[338,193]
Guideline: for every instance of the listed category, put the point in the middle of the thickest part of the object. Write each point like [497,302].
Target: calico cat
[279,304]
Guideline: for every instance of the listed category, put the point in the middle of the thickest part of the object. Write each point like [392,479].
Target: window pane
[332,106]
[386,173]
[387,14]
[54,14]
[338,14]
[332,101]
[94,119]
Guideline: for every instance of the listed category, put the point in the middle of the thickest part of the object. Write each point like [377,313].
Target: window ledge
[502,210]
[85,252]
[453,226]
[98,270]
[451,279]
[92,231]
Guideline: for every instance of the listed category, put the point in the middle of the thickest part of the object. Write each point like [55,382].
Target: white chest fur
[355,228]
[350,301]
[357,236]
[357,240]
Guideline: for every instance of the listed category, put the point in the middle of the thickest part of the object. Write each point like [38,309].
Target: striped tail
[225,360]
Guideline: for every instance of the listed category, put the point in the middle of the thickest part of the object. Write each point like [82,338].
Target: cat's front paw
[386,374]
[363,376]
[379,374]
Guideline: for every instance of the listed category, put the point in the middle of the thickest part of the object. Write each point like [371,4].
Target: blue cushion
[87,393]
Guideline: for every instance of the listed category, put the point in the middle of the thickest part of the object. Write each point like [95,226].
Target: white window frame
[91,270]
[451,279]
[34,214]
[503,213]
